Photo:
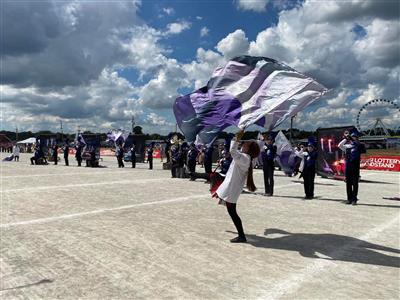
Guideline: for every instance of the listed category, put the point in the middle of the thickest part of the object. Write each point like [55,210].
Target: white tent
[31,140]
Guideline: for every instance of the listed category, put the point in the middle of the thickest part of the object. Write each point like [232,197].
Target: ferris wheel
[376,116]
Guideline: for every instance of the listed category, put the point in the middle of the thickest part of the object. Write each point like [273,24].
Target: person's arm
[299,153]
[239,157]
[343,146]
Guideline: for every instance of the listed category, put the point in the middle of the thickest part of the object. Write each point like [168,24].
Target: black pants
[16,158]
[79,160]
[66,160]
[150,163]
[120,162]
[268,169]
[208,166]
[192,167]
[309,177]
[231,207]
[352,177]
[174,167]
[55,160]
[33,160]
[133,163]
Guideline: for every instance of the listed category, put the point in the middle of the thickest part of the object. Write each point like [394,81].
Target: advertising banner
[387,163]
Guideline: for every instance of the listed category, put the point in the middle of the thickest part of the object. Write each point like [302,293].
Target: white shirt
[16,151]
[236,176]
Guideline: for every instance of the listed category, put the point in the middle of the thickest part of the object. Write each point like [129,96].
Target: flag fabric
[285,154]
[80,138]
[116,135]
[247,90]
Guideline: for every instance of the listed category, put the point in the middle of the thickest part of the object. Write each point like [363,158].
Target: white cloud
[178,27]
[234,44]
[253,5]
[161,91]
[157,121]
[199,18]
[168,10]
[204,31]
[199,71]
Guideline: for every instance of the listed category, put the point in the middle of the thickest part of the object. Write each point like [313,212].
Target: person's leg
[349,184]
[56,160]
[231,207]
[266,182]
[306,182]
[32,158]
[356,179]
[151,164]
[312,179]
[271,178]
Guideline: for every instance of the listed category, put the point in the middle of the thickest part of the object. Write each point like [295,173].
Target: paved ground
[70,232]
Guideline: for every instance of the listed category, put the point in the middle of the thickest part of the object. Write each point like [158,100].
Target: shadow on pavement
[29,285]
[334,247]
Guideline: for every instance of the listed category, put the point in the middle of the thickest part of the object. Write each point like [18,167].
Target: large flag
[247,90]
[285,154]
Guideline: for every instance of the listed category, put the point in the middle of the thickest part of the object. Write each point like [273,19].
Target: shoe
[354,202]
[348,202]
[239,239]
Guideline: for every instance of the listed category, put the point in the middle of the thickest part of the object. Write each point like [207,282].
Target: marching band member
[352,148]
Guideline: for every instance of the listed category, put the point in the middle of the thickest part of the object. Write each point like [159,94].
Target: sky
[96,64]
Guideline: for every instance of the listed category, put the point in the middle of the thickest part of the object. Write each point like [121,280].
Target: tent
[31,140]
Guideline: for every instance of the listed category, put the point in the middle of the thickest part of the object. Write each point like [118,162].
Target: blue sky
[97,64]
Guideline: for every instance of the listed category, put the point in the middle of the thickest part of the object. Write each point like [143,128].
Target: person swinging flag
[247,90]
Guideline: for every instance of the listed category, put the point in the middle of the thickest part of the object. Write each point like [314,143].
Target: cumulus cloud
[168,10]
[320,41]
[54,44]
[178,27]
[253,5]
[204,31]
[161,91]
[234,44]
[61,60]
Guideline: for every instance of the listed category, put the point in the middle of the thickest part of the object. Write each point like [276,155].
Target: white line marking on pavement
[100,211]
[114,171]
[68,186]
[294,281]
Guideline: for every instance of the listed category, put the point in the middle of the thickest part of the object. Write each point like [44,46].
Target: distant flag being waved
[247,90]
[117,135]
[285,154]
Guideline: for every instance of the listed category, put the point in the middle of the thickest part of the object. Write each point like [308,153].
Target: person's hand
[239,135]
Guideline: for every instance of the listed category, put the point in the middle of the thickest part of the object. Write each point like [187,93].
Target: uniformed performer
[208,153]
[78,153]
[268,157]
[192,158]
[150,156]
[119,152]
[55,153]
[133,156]
[352,148]
[66,152]
[309,157]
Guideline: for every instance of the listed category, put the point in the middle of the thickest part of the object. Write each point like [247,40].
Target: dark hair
[254,151]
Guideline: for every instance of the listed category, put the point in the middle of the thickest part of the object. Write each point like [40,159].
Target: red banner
[388,163]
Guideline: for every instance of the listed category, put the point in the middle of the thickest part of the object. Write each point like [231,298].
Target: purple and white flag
[116,135]
[247,90]
[285,154]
